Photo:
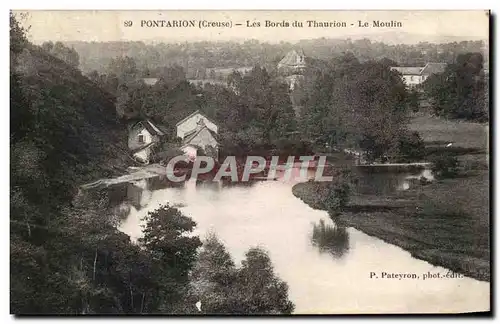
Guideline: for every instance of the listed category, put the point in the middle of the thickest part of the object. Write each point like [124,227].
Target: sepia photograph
[258,162]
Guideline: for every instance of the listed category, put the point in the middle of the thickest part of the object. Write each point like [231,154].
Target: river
[267,214]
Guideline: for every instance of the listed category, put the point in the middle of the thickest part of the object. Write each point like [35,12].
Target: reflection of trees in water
[162,182]
[330,239]
[138,196]
[214,185]
[230,184]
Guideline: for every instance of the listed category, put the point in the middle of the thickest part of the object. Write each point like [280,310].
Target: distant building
[413,76]
[150,81]
[432,68]
[198,132]
[294,62]
[223,73]
[143,138]
[190,122]
[292,67]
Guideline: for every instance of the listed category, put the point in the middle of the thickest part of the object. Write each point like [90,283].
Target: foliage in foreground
[223,288]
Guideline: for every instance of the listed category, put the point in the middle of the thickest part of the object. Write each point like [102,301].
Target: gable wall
[191,123]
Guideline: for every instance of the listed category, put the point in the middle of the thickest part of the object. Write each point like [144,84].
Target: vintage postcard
[249,162]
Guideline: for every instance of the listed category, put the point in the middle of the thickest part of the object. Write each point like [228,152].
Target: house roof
[407,70]
[193,114]
[150,81]
[433,68]
[192,134]
[293,58]
[428,69]
[152,129]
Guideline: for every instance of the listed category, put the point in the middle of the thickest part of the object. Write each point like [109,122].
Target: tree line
[197,57]
[462,90]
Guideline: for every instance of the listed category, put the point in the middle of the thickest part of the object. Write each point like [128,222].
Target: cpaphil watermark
[295,168]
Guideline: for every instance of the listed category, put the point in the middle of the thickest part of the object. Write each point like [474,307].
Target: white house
[198,132]
[189,123]
[143,138]
[413,76]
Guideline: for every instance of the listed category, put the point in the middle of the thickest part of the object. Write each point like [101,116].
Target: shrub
[411,148]
[445,166]
[338,196]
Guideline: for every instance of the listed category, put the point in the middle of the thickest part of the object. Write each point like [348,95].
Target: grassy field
[445,222]
[462,134]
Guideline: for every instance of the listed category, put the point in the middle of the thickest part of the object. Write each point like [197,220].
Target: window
[141,138]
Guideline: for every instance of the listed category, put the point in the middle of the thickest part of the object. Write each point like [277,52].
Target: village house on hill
[292,67]
[413,76]
[198,132]
[144,137]
[294,62]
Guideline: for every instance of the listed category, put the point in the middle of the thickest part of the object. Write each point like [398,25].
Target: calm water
[335,279]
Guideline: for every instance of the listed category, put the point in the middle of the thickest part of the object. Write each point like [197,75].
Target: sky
[87,25]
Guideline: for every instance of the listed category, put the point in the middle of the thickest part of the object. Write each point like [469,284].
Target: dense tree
[461,91]
[124,67]
[213,279]
[262,292]
[173,252]
[65,53]
[445,166]
[165,237]
[411,148]
[357,105]
[338,192]
[171,75]
[67,256]
[256,110]
[252,288]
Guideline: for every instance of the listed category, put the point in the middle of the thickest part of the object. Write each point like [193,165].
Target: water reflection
[137,194]
[237,184]
[387,183]
[332,239]
[267,214]
[162,182]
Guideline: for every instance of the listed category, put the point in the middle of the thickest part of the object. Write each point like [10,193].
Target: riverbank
[445,223]
[418,224]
